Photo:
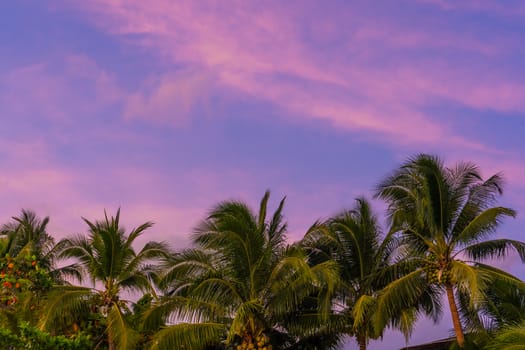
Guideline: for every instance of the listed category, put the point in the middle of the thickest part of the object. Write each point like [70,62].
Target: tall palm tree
[445,216]
[107,257]
[354,240]
[237,283]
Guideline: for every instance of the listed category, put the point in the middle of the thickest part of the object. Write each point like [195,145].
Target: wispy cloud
[71,86]
[508,8]
[360,81]
[171,98]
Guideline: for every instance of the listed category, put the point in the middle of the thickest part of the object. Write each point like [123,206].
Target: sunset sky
[163,108]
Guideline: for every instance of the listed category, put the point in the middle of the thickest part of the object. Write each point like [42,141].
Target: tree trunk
[362,343]
[111,344]
[460,337]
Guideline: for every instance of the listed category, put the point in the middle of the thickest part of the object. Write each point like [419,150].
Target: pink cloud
[175,202]
[259,51]
[170,98]
[30,89]
[104,83]
[508,8]
[49,89]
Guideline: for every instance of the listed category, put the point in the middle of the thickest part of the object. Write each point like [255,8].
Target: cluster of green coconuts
[436,274]
[260,342]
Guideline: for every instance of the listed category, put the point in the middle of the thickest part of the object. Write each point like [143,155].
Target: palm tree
[354,240]
[238,282]
[28,257]
[445,216]
[107,257]
[27,236]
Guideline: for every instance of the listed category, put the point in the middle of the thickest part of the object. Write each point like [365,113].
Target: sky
[164,108]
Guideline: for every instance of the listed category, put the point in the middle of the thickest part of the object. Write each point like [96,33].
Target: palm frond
[398,295]
[469,279]
[120,331]
[361,310]
[63,304]
[497,248]
[512,338]
[188,336]
[484,224]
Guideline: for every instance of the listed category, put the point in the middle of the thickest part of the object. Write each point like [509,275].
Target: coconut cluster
[436,275]
[260,342]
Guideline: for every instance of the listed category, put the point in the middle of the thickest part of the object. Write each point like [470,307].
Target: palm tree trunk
[111,344]
[362,342]
[460,337]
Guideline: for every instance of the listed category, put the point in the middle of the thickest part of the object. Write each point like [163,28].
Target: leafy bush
[30,337]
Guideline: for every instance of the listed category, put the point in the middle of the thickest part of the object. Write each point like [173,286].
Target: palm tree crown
[238,282]
[354,240]
[107,256]
[445,216]
[27,234]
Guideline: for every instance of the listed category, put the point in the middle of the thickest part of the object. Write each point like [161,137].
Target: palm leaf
[120,332]
[188,336]
[497,248]
[63,304]
[484,224]
[512,338]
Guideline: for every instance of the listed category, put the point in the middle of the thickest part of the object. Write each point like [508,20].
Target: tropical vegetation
[444,217]
[242,284]
[239,283]
[354,240]
[107,257]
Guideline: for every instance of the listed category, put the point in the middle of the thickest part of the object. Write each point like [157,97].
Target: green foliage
[135,318]
[509,338]
[445,217]
[504,304]
[30,337]
[354,240]
[107,257]
[23,282]
[242,286]
[239,282]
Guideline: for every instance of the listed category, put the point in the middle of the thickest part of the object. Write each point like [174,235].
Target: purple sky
[165,108]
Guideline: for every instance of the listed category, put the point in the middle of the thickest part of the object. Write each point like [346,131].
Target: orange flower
[33,263]
[7,284]
[17,285]
[10,265]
